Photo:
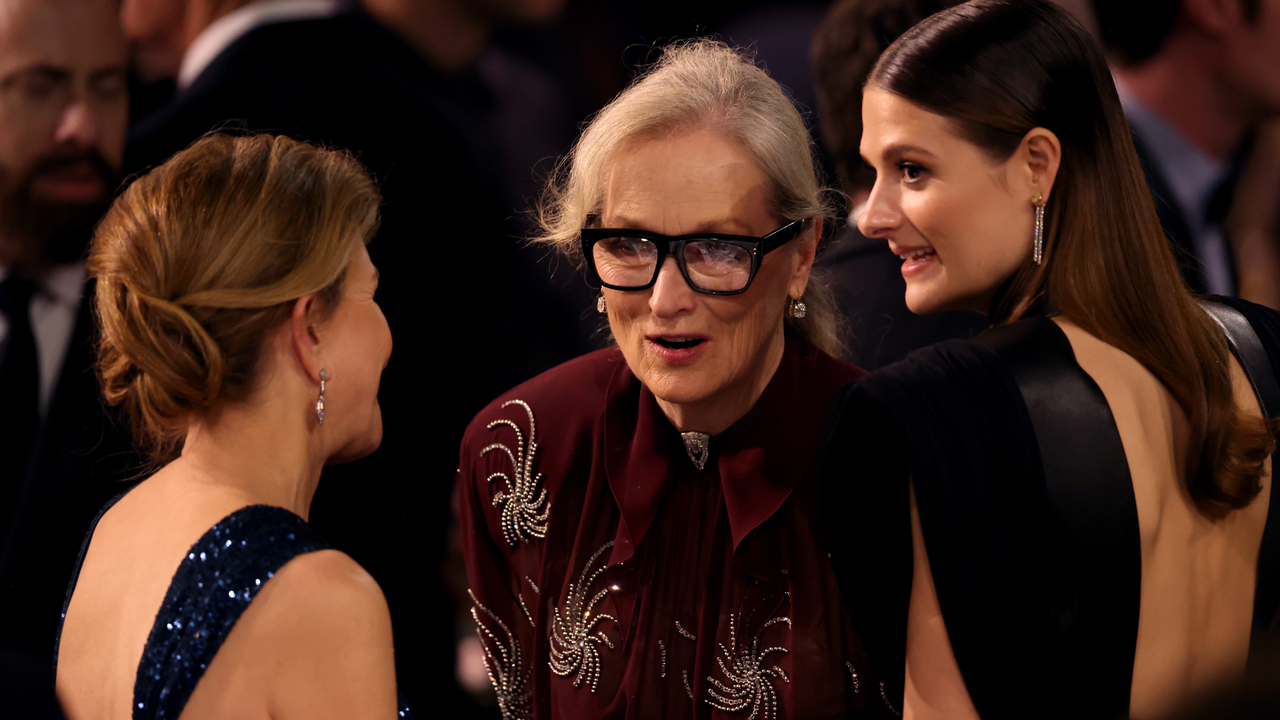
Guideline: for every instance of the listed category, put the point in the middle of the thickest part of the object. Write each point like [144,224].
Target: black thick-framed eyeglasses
[712,263]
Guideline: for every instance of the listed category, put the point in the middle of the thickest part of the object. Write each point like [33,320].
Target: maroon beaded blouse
[611,577]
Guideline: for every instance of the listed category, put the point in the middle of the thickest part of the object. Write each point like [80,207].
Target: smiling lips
[677,348]
[914,260]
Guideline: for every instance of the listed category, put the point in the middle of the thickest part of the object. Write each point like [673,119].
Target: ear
[1040,156]
[805,254]
[305,335]
[1214,18]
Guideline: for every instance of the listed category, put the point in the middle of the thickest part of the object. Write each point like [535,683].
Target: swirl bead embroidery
[575,633]
[750,683]
[523,502]
[505,664]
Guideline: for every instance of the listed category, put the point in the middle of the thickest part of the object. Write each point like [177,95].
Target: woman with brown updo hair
[241,337]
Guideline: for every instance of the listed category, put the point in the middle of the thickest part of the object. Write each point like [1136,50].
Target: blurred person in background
[394,83]
[1254,221]
[864,274]
[1197,78]
[63,118]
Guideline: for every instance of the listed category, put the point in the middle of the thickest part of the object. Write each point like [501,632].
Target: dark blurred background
[460,109]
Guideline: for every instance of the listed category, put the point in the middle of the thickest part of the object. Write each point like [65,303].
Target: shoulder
[830,370]
[926,371]
[1264,321]
[320,629]
[570,395]
[324,599]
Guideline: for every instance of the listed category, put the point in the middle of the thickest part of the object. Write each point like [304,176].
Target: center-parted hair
[1000,68]
[199,260]
[700,85]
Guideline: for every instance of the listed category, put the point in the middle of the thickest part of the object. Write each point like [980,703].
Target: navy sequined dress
[222,573]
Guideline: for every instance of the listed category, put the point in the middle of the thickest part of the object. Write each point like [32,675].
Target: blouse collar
[760,458]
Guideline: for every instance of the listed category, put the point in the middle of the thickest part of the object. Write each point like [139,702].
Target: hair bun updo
[201,258]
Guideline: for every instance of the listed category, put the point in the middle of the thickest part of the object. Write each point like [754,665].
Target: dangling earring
[324,375]
[798,309]
[600,306]
[1038,248]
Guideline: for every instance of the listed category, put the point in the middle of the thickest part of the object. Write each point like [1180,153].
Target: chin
[922,302]
[679,390]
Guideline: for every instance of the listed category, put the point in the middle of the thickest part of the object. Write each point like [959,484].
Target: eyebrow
[59,74]
[621,222]
[897,150]
[107,72]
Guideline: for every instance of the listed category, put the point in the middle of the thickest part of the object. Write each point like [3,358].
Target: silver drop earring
[798,309]
[1038,248]
[324,375]
[600,306]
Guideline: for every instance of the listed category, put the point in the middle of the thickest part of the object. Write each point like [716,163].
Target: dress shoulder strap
[219,577]
[1257,363]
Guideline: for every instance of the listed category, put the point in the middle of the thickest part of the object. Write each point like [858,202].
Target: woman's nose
[671,294]
[881,215]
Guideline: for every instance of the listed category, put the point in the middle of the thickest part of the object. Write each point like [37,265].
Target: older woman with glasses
[639,523]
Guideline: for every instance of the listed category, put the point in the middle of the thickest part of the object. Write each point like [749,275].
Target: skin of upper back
[1198,572]
[321,605]
[316,641]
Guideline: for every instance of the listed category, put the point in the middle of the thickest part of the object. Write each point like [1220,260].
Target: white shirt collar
[210,43]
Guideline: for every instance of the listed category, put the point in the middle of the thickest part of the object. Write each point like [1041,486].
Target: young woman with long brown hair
[1089,482]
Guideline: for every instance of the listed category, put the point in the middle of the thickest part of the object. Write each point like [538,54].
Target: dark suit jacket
[446,289]
[870,292]
[81,459]
[1175,224]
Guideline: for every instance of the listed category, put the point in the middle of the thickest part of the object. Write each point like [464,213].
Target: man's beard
[44,230]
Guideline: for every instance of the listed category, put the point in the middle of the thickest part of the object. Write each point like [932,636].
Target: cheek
[977,235]
[625,311]
[23,139]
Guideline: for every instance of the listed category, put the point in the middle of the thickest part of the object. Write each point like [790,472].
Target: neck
[256,451]
[1183,86]
[714,415]
[449,34]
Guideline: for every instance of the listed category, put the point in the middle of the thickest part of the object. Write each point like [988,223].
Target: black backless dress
[1027,510]
[222,573]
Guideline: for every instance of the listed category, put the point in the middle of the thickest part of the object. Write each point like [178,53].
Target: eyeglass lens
[712,264]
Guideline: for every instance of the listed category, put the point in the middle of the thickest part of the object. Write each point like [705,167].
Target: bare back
[136,549]
[1198,574]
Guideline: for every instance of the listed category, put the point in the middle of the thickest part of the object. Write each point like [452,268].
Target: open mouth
[918,255]
[678,344]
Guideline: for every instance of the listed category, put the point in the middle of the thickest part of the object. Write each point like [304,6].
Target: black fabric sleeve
[955,413]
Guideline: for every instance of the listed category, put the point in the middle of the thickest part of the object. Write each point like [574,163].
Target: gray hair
[701,84]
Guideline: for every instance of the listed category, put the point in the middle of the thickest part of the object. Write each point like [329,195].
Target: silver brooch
[575,637]
[523,503]
[504,663]
[698,445]
[749,683]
